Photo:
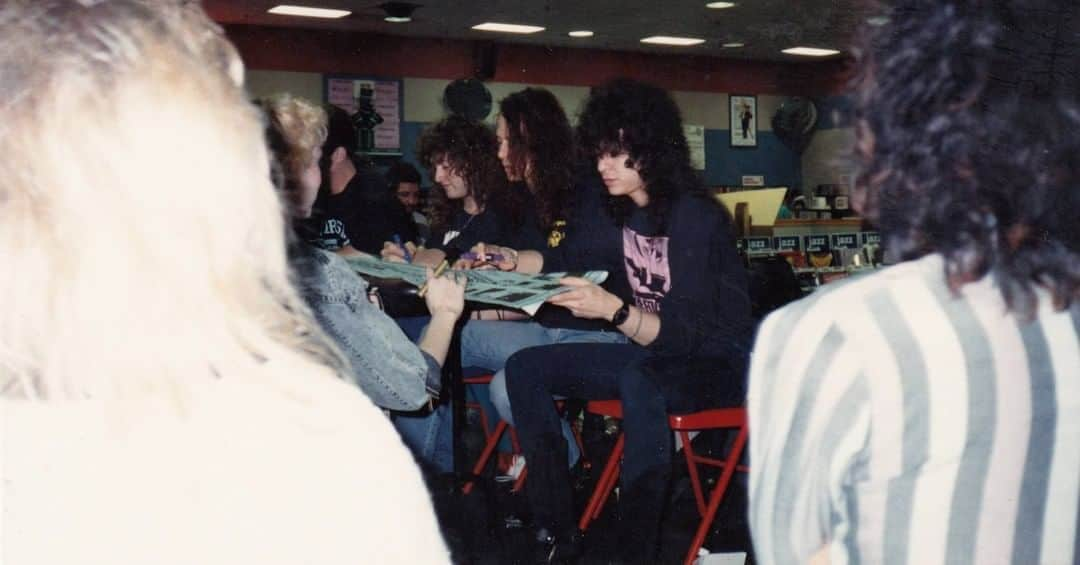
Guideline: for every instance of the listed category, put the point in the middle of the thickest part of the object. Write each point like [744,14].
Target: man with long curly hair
[537,151]
[678,293]
[930,412]
[466,207]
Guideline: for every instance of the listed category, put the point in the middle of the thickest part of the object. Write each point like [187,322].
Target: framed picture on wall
[743,112]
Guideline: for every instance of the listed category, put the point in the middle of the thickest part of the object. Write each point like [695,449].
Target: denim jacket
[392,371]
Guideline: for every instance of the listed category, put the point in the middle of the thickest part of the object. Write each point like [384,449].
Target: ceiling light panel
[720,5]
[307,11]
[672,40]
[810,51]
[581,33]
[507,28]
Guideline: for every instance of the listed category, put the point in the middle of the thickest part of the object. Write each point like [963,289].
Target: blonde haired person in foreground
[164,395]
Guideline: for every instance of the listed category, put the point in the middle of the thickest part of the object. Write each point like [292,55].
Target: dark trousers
[648,388]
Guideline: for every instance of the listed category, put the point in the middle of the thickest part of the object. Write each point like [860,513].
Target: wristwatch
[620,315]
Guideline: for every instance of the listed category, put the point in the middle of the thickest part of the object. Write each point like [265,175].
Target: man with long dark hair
[930,412]
[678,293]
[536,149]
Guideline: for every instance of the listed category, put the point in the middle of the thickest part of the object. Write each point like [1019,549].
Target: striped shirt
[896,423]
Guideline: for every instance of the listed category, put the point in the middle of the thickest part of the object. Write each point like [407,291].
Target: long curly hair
[968,141]
[642,120]
[541,148]
[470,151]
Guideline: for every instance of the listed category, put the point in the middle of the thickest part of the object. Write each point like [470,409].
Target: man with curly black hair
[678,293]
[930,412]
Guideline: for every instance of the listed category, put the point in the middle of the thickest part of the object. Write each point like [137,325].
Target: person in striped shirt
[930,412]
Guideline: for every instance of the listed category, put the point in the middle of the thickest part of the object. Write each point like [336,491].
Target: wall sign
[845,241]
[757,244]
[816,243]
[695,138]
[376,107]
[787,243]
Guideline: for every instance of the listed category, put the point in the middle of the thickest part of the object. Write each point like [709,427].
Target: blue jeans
[429,437]
[489,343]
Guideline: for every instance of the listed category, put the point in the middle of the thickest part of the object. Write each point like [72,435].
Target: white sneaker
[517,465]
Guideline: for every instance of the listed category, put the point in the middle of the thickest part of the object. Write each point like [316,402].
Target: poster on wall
[743,112]
[695,138]
[376,108]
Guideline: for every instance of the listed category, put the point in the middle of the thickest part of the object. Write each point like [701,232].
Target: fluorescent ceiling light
[877,21]
[671,40]
[507,28]
[582,33]
[720,5]
[397,19]
[308,12]
[733,45]
[810,51]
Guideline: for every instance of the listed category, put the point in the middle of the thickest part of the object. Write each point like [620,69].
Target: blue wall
[410,134]
[725,165]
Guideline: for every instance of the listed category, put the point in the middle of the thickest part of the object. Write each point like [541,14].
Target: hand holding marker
[481,256]
[404,249]
[487,257]
[438,273]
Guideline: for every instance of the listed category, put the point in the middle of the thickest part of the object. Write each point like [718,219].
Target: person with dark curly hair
[462,157]
[467,207]
[930,412]
[536,149]
[678,293]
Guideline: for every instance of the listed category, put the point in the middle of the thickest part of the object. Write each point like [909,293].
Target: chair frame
[683,424]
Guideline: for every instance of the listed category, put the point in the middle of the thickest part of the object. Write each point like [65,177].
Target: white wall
[423,97]
[265,83]
[827,157]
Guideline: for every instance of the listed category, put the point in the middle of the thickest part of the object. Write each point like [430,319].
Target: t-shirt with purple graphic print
[645,257]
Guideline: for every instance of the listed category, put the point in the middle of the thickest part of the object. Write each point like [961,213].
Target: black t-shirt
[366,212]
[563,251]
[466,230]
[323,232]
[523,229]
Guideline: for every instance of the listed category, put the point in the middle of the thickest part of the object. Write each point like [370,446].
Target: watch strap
[620,315]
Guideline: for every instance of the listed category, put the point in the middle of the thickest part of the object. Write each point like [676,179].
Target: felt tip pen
[438,273]
[405,250]
[488,257]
